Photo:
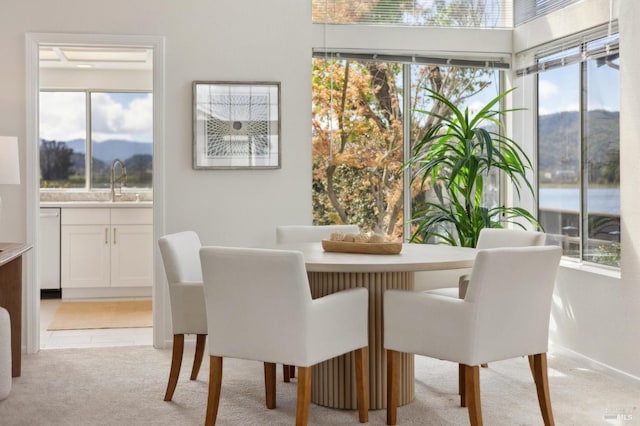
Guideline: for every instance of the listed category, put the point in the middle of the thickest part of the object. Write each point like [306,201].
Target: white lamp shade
[9,160]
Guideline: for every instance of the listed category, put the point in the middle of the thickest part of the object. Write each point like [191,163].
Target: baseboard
[596,365]
[105,292]
[189,342]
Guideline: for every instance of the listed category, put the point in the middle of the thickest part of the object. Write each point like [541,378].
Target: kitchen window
[82,133]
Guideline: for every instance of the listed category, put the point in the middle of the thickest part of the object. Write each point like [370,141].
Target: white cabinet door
[85,256]
[131,255]
[107,247]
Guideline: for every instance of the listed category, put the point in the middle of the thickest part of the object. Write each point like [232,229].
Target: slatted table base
[333,381]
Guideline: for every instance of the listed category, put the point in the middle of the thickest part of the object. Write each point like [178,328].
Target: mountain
[111,149]
[559,148]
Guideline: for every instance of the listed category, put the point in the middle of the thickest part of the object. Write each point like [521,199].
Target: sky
[126,116]
[559,89]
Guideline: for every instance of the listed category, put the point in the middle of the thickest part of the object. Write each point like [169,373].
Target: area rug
[126,385]
[111,314]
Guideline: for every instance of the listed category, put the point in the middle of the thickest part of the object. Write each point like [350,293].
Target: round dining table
[333,381]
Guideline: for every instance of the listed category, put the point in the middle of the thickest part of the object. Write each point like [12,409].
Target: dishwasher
[49,251]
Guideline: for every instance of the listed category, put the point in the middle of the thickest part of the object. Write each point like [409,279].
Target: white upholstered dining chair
[505,314]
[494,238]
[487,239]
[181,258]
[308,234]
[259,307]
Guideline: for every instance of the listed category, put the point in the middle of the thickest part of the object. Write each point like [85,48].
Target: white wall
[490,44]
[271,41]
[572,19]
[224,40]
[595,314]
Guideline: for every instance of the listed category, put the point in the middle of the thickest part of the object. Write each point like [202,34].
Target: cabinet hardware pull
[106,235]
[114,236]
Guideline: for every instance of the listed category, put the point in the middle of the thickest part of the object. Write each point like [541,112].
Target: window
[76,126]
[526,10]
[63,129]
[358,144]
[449,13]
[364,117]
[579,150]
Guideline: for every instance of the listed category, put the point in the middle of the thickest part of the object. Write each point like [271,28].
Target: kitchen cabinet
[106,247]
[131,247]
[49,249]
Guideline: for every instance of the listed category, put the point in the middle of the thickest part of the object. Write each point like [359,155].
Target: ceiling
[77,57]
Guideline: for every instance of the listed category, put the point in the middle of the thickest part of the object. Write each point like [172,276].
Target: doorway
[96,157]
[117,56]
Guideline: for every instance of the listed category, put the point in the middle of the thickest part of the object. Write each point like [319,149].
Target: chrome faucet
[122,178]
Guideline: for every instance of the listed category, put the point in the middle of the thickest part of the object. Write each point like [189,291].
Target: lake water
[600,200]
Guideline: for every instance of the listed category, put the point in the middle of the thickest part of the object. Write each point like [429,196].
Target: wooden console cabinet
[11,296]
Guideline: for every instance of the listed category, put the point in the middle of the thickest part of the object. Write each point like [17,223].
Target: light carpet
[125,386]
[103,314]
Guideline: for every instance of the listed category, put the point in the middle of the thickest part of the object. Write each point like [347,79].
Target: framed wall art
[236,125]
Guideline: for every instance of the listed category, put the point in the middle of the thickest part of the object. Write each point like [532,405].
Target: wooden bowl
[365,248]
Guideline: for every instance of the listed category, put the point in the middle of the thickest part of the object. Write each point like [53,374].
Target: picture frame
[236,125]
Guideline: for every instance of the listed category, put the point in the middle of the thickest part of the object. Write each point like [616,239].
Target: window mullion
[584,164]
[87,147]
[406,144]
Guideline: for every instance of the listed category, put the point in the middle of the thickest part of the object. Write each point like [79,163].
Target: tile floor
[93,338]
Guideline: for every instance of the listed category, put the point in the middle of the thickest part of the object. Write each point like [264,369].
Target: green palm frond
[454,156]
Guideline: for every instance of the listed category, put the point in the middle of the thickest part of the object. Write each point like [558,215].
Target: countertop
[10,251]
[97,204]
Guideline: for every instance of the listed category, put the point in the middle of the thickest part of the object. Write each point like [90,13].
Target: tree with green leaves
[55,161]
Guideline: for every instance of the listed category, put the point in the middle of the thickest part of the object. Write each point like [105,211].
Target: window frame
[581,42]
[88,187]
[498,65]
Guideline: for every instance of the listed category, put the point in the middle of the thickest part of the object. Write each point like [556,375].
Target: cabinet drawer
[136,216]
[73,216]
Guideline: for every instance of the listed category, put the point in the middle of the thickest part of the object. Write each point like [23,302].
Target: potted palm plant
[453,159]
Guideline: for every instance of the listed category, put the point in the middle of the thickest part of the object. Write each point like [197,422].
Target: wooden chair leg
[362,385]
[304,396]
[176,362]
[286,372]
[461,386]
[201,339]
[532,368]
[393,386]
[542,386]
[215,382]
[472,389]
[270,384]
